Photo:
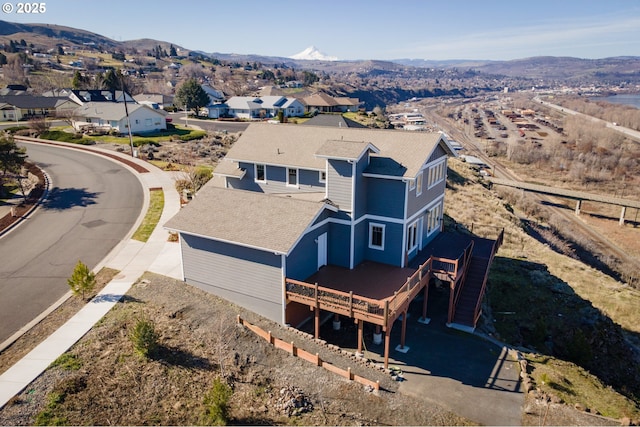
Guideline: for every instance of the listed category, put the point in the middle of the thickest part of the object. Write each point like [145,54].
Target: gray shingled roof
[344,150]
[111,110]
[246,218]
[294,145]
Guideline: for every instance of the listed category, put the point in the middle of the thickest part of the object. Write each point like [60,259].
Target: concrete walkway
[132,258]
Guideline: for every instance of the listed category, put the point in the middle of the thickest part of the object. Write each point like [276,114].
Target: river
[632,99]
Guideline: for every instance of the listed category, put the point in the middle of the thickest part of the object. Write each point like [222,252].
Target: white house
[247,107]
[110,116]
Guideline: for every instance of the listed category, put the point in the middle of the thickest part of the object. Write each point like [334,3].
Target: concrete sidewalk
[132,258]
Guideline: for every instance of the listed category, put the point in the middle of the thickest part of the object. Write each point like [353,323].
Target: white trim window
[292,177]
[412,236]
[322,176]
[376,236]
[437,173]
[434,218]
[419,184]
[412,185]
[260,172]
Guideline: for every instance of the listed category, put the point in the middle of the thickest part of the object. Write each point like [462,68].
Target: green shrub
[58,135]
[82,280]
[216,404]
[198,134]
[144,338]
[14,129]
[68,362]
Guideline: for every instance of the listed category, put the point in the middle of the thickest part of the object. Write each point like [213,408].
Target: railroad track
[473,147]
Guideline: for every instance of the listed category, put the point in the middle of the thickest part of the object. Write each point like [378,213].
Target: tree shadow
[66,198]
[174,356]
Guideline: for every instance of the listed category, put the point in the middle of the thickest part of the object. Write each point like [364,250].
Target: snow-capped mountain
[313,54]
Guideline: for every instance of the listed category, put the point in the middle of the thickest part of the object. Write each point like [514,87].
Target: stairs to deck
[471,292]
[474,287]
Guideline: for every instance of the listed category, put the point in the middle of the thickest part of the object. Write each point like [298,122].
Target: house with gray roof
[27,106]
[300,220]
[248,107]
[366,194]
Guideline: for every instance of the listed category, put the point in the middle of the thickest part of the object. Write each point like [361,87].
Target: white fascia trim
[374,175]
[311,228]
[184,279]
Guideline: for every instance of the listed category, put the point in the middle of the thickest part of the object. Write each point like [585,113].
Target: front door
[322,250]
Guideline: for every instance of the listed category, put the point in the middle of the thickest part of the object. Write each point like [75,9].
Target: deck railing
[380,312]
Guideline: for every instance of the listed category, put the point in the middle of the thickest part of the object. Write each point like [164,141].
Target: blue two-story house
[288,202]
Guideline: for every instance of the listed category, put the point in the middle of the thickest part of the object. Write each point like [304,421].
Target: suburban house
[24,107]
[111,116]
[248,107]
[323,103]
[304,220]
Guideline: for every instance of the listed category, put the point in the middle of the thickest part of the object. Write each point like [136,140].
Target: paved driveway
[464,373]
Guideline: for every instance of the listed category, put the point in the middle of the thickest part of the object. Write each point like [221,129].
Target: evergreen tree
[191,96]
[172,51]
[82,281]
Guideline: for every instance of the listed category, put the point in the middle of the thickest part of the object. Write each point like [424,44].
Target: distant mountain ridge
[610,70]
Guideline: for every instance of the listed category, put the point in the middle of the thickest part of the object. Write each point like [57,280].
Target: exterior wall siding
[248,277]
[438,153]
[416,203]
[393,251]
[385,198]
[302,262]
[339,177]
[360,207]
[339,244]
[308,180]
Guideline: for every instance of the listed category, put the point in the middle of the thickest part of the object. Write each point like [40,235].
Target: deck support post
[578,206]
[622,214]
[387,340]
[360,335]
[317,314]
[424,303]
[377,336]
[452,288]
[404,328]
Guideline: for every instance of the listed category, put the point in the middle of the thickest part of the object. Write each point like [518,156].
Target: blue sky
[355,29]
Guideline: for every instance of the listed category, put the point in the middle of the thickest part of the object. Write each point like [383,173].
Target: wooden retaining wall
[305,355]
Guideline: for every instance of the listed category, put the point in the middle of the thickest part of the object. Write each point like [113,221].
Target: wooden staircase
[469,304]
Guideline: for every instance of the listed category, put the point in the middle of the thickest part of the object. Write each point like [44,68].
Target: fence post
[294,351]
[350,373]
[269,337]
[319,361]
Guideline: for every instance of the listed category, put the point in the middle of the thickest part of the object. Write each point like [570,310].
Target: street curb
[45,194]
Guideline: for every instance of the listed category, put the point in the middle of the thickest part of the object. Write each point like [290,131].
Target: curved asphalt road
[92,205]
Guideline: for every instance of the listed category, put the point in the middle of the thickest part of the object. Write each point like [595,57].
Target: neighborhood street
[92,205]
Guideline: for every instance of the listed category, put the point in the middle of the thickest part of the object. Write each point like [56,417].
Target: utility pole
[126,112]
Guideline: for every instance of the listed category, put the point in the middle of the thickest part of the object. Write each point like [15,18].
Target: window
[437,173]
[434,218]
[376,236]
[419,184]
[261,173]
[412,185]
[292,177]
[322,177]
[412,236]
[147,122]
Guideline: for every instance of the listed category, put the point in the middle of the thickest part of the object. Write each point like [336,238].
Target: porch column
[360,335]
[624,211]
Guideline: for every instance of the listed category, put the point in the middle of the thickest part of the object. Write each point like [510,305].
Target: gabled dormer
[345,163]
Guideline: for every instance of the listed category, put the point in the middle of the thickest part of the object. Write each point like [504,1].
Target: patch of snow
[313,54]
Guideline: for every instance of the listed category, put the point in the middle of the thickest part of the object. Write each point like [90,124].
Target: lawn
[151,219]
[176,132]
